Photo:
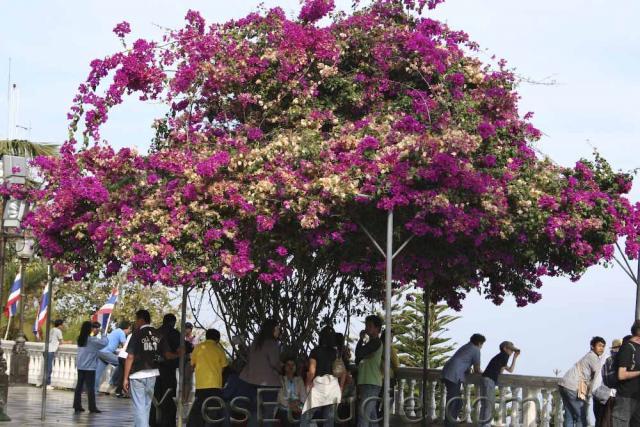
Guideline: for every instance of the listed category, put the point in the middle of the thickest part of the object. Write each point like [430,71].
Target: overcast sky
[590,48]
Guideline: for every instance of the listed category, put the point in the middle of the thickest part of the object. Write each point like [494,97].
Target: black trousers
[195,416]
[167,409]
[120,379]
[85,379]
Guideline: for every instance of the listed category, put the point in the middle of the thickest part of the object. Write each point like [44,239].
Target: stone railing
[521,400]
[64,372]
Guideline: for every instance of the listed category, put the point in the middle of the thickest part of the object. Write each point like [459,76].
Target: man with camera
[496,366]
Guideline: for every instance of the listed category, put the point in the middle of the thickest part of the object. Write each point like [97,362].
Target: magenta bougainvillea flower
[283,137]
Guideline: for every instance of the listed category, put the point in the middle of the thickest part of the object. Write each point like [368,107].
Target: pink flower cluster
[283,138]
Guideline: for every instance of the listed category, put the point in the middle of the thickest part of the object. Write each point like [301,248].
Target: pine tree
[408,330]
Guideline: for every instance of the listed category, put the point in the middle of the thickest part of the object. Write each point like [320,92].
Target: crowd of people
[263,386]
[266,387]
[611,383]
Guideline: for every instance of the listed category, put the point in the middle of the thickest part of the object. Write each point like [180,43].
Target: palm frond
[22,147]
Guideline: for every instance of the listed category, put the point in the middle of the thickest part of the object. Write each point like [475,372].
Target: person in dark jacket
[603,396]
[166,383]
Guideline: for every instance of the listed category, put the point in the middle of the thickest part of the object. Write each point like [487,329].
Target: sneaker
[50,387]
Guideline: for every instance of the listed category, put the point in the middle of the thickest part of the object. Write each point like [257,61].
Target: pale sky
[589,47]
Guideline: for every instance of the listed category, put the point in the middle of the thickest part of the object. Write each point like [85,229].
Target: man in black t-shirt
[626,409]
[496,366]
[166,382]
[145,351]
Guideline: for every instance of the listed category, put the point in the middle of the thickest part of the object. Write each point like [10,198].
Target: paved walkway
[24,409]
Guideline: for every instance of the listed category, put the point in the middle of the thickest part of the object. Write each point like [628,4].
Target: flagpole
[114,307]
[6,334]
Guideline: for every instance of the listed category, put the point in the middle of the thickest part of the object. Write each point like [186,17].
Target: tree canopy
[283,135]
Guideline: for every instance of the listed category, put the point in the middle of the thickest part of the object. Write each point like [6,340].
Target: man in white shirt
[55,339]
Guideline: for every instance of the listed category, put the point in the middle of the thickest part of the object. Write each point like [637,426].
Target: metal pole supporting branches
[389,255]
[638,290]
[634,276]
[183,320]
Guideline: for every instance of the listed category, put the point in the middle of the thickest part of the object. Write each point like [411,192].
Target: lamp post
[19,355]
[14,171]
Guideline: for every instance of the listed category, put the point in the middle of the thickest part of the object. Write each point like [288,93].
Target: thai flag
[42,313]
[105,311]
[14,297]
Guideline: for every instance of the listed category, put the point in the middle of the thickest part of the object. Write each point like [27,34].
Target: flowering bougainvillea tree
[283,136]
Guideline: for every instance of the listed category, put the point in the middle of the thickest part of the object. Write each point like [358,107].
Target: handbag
[338,368]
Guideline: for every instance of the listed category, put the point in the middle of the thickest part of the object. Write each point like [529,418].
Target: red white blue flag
[14,297]
[42,313]
[104,313]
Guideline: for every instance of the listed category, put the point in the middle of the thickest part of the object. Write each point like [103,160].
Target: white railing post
[412,402]
[532,407]
[467,402]
[443,402]
[401,396]
[545,414]
[502,406]
[431,409]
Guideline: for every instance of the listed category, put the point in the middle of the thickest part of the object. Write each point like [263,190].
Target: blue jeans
[487,402]
[142,396]
[50,357]
[369,397]
[575,410]
[327,413]
[103,360]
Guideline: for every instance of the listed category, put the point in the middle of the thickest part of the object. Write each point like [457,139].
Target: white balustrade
[64,373]
[523,401]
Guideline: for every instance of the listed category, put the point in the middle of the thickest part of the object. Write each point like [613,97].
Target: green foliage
[24,148]
[408,330]
[76,302]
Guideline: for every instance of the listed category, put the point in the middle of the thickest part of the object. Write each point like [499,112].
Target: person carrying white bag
[325,375]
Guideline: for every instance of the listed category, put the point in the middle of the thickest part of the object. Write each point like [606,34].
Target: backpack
[610,368]
[610,372]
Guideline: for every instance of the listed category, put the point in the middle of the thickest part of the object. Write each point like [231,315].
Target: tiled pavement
[24,409]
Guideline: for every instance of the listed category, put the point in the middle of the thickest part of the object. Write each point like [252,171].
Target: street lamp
[19,355]
[14,171]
